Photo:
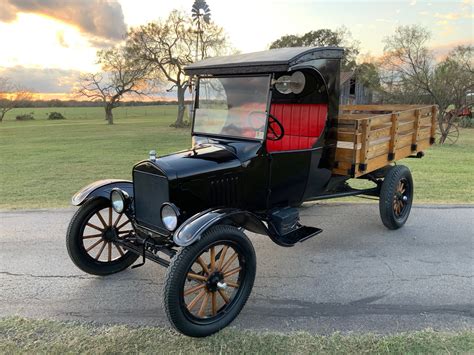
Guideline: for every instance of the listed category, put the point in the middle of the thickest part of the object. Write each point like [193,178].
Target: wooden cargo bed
[370,137]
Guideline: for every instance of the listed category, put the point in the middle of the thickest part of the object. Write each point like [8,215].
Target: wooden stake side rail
[370,137]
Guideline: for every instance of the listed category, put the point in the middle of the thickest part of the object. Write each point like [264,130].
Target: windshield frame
[267,105]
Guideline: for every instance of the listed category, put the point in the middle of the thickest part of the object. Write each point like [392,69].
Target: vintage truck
[268,134]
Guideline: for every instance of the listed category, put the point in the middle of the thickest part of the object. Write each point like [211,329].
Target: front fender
[193,228]
[101,188]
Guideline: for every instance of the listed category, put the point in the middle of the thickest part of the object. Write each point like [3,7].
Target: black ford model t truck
[268,134]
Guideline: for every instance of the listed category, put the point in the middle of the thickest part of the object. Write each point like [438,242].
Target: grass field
[43,163]
[38,336]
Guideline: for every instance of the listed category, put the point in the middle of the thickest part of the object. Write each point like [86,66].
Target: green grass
[19,335]
[43,163]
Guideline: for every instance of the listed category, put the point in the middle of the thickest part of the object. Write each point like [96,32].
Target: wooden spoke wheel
[453,133]
[91,238]
[396,197]
[208,283]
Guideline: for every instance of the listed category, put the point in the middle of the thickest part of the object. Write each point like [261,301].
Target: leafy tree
[165,47]
[324,38]
[121,76]
[411,74]
[11,96]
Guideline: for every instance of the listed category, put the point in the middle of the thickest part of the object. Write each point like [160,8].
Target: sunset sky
[47,43]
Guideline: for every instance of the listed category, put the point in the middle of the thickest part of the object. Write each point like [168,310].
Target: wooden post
[365,125]
[434,122]
[393,137]
[414,142]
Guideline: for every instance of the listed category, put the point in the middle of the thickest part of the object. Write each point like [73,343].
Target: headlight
[291,84]
[119,199]
[169,216]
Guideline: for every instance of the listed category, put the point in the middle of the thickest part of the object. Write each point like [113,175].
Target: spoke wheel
[208,283]
[396,197]
[208,291]
[91,238]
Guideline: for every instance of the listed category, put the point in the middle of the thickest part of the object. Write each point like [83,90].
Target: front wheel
[396,197]
[91,235]
[208,283]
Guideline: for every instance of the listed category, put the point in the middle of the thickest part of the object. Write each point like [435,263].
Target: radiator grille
[225,191]
[150,192]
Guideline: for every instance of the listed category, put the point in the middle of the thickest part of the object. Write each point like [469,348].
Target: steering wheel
[275,128]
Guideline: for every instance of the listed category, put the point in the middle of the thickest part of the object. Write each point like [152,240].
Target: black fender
[192,229]
[101,188]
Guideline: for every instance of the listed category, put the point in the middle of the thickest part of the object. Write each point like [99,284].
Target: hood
[208,158]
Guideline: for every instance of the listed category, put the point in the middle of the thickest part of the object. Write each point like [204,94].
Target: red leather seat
[303,124]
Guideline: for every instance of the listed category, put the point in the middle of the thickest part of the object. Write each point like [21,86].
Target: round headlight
[119,200]
[169,216]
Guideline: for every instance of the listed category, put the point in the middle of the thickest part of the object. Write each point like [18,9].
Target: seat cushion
[303,124]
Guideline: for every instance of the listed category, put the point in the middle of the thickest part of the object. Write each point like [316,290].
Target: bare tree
[411,74]
[11,96]
[121,76]
[168,45]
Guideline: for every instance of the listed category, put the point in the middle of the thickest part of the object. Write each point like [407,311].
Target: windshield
[232,106]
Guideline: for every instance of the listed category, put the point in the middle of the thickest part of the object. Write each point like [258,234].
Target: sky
[46,44]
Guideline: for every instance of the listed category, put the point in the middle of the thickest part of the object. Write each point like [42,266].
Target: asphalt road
[354,277]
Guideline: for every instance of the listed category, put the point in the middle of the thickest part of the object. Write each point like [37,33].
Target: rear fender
[193,228]
[101,188]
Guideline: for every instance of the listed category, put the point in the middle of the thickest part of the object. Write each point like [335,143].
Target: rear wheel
[208,283]
[90,238]
[396,197]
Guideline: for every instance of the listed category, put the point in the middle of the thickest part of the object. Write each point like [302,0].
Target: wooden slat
[424,133]
[378,149]
[393,134]
[365,135]
[404,140]
[346,155]
[380,132]
[408,115]
[376,107]
[405,127]
[434,121]
[414,137]
[348,136]
[425,121]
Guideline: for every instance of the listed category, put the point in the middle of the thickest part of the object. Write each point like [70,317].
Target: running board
[297,236]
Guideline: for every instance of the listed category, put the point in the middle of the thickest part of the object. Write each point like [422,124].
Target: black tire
[179,311]
[77,245]
[396,197]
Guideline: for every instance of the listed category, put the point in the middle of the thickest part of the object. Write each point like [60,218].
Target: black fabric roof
[280,59]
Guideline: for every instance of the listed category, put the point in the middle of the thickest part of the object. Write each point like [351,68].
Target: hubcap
[100,233]
[208,291]
[400,198]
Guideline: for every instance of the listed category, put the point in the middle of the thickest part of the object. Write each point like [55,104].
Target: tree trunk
[2,114]
[181,108]
[109,117]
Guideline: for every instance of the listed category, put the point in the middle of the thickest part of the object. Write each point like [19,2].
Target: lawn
[19,335]
[43,163]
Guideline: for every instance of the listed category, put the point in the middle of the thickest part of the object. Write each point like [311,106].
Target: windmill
[200,12]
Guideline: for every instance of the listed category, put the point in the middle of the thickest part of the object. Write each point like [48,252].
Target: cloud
[442,50]
[60,38]
[102,19]
[49,80]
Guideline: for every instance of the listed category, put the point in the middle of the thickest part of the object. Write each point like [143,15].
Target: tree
[11,96]
[165,47]
[324,38]
[121,76]
[411,74]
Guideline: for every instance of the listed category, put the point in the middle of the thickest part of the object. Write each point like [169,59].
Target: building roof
[346,75]
[280,59]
